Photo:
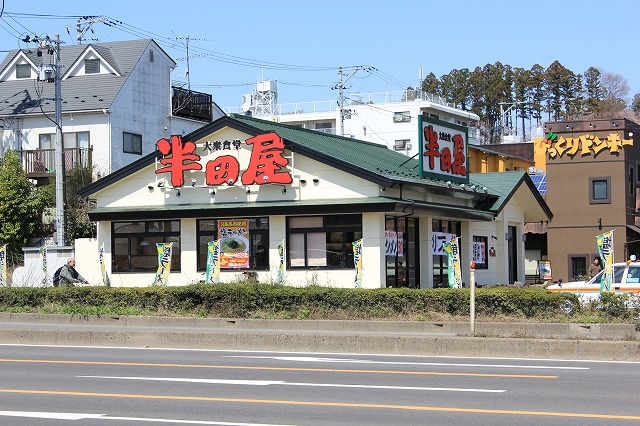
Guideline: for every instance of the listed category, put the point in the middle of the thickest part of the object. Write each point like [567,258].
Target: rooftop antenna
[188,39]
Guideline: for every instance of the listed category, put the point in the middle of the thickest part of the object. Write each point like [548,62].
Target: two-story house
[117,100]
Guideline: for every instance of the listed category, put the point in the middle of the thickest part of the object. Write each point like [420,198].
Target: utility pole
[52,47]
[341,86]
[59,151]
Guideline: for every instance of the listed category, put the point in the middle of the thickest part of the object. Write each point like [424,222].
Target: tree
[635,103]
[521,89]
[616,89]
[431,84]
[21,205]
[77,223]
[593,90]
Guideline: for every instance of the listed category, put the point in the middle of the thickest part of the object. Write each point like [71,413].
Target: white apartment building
[386,118]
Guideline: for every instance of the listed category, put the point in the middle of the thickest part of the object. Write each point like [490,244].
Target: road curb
[618,342]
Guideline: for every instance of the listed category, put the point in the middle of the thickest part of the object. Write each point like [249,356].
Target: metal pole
[472,293]
[341,89]
[59,149]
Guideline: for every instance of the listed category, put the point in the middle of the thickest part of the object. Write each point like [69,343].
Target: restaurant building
[593,187]
[286,205]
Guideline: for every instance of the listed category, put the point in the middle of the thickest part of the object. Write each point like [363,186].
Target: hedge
[254,300]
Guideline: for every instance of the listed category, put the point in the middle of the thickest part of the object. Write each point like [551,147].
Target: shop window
[600,190]
[480,252]
[134,245]
[322,241]
[208,230]
[443,230]
[578,265]
[131,143]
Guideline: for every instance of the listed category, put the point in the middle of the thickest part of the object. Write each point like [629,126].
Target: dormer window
[92,66]
[23,71]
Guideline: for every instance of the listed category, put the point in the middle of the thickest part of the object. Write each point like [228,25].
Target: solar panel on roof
[540,181]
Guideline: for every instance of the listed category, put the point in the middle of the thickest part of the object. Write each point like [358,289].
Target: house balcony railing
[41,163]
[189,104]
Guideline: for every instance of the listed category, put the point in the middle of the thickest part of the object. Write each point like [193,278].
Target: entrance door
[402,254]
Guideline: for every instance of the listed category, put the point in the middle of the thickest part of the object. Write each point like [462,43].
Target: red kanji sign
[265,165]
[182,158]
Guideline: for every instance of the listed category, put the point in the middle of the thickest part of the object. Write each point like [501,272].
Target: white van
[626,279]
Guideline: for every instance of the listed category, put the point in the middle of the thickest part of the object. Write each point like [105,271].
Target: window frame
[20,68]
[126,143]
[403,145]
[341,258]
[485,240]
[592,181]
[147,233]
[256,233]
[89,66]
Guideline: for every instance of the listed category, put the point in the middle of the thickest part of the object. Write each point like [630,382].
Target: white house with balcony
[117,100]
[386,118]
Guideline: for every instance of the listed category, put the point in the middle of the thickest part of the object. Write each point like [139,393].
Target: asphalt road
[51,385]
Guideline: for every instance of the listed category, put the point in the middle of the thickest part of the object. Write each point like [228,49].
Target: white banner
[437,241]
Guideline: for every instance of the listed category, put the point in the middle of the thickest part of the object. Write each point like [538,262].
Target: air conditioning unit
[409,146]
[531,170]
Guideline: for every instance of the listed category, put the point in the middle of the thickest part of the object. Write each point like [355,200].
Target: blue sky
[302,43]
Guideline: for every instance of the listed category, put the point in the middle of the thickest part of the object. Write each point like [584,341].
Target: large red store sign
[265,165]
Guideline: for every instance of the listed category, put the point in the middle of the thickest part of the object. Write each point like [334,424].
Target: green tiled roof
[369,156]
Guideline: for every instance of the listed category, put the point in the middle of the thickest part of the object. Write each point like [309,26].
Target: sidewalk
[522,340]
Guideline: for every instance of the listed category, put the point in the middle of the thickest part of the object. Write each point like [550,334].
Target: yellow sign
[557,146]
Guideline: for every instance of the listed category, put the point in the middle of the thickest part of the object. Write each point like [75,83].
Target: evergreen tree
[522,91]
[21,205]
[431,85]
[594,93]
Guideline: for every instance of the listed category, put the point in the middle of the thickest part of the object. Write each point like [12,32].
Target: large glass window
[442,231]
[322,241]
[134,245]
[401,252]
[207,231]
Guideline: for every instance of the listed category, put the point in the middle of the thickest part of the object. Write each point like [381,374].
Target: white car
[626,279]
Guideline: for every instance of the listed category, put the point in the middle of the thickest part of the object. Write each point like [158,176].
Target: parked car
[626,279]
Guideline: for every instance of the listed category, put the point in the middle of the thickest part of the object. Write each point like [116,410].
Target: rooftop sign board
[443,150]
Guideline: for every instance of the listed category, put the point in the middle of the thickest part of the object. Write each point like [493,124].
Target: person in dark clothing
[594,268]
[69,276]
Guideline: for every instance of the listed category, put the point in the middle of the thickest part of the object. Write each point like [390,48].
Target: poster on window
[103,269]
[234,243]
[452,248]
[3,266]
[164,264]
[437,242]
[212,275]
[357,261]
[479,252]
[280,278]
[393,243]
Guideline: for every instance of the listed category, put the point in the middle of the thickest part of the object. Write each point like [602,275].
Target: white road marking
[82,416]
[439,364]
[282,383]
[457,357]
